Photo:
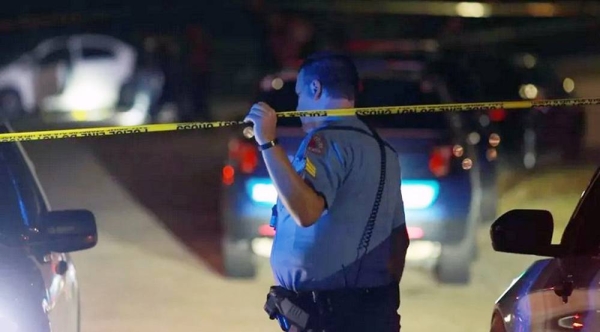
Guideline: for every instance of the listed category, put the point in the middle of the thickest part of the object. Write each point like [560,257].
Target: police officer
[341,238]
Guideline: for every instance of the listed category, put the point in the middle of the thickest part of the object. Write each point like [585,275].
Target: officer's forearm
[302,202]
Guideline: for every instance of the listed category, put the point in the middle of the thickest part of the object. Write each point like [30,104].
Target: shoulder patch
[316,144]
[310,168]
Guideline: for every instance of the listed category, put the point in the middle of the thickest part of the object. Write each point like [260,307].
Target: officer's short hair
[336,72]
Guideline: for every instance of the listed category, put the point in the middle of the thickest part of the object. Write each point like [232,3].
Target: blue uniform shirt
[344,167]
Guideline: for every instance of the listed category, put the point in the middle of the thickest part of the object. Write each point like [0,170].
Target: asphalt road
[157,265]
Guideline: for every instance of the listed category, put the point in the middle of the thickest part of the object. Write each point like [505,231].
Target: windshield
[377,92]
[392,92]
[583,232]
[12,210]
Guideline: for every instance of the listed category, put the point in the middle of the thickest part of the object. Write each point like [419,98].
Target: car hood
[16,67]
[532,304]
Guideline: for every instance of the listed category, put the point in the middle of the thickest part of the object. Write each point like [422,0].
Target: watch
[268,145]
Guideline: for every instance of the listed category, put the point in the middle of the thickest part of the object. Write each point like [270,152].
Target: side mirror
[526,232]
[68,231]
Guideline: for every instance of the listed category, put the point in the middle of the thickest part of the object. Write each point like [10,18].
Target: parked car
[529,136]
[560,292]
[39,287]
[440,168]
[67,78]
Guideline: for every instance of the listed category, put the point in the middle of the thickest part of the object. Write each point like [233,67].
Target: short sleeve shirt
[344,166]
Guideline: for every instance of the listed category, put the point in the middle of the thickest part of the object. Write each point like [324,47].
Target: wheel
[11,106]
[454,264]
[238,259]
[489,204]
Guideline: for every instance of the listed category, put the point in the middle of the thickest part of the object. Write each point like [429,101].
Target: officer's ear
[316,89]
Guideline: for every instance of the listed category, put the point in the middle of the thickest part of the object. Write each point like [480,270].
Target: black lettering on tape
[226,123]
[195,126]
[93,134]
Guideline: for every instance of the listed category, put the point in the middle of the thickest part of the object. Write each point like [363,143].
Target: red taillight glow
[266,230]
[415,232]
[439,161]
[249,160]
[497,115]
[228,175]
[244,154]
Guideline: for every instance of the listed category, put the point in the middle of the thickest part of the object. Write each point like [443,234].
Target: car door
[53,63]
[100,68]
[566,294]
[61,298]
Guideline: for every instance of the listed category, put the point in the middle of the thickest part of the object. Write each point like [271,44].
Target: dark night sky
[223,19]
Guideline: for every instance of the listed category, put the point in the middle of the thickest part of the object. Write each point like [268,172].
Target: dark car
[441,175]
[561,290]
[39,289]
[530,137]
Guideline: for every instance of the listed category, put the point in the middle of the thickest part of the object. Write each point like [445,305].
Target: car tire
[453,266]
[454,263]
[489,204]
[238,259]
[11,106]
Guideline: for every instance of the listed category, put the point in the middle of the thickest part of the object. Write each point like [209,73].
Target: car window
[476,77]
[377,92]
[282,99]
[55,56]
[392,92]
[582,234]
[20,202]
[92,53]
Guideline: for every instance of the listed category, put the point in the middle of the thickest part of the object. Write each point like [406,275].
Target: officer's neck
[314,122]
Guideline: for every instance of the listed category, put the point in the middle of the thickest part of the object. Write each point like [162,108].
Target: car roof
[369,68]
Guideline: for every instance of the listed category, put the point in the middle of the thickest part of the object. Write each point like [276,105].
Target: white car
[76,77]
[559,293]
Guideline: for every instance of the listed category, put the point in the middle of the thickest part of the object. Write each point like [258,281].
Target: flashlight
[248,132]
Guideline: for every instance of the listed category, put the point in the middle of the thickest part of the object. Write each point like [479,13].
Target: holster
[292,313]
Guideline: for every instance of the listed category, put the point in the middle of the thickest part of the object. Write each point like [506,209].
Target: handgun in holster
[280,306]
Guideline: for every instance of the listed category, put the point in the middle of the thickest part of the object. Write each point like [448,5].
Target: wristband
[268,145]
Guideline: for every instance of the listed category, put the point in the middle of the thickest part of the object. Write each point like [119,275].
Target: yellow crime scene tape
[365,111]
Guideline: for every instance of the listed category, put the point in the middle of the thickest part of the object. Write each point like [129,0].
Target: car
[39,286]
[67,78]
[440,172]
[530,137]
[559,292]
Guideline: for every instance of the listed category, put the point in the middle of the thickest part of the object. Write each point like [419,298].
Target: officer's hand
[264,119]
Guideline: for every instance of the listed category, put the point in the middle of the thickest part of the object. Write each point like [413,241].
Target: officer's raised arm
[301,200]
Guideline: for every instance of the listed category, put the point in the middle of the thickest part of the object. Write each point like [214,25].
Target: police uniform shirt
[344,167]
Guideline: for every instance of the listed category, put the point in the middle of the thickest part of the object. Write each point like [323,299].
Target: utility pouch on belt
[280,305]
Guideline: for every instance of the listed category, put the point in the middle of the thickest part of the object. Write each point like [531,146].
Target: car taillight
[228,174]
[497,115]
[266,230]
[440,160]
[244,154]
[415,232]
